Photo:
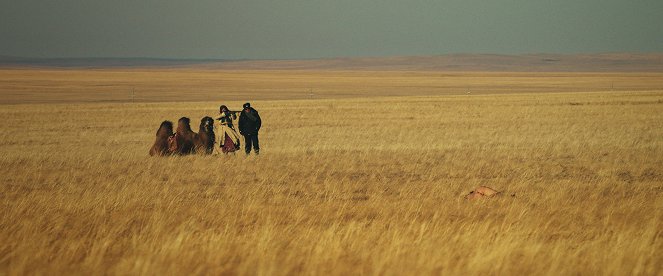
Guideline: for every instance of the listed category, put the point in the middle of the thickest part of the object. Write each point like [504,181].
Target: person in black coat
[249,125]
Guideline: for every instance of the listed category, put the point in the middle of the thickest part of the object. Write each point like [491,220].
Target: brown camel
[161,145]
[204,141]
[184,137]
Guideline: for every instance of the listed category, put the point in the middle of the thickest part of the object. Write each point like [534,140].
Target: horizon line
[320,58]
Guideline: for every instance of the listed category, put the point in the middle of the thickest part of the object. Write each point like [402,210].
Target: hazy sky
[233,29]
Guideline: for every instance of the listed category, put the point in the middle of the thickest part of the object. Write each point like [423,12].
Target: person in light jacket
[228,137]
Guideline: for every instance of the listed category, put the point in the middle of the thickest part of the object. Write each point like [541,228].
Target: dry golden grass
[343,186]
[195,84]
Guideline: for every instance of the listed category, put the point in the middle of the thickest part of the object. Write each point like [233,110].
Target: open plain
[360,173]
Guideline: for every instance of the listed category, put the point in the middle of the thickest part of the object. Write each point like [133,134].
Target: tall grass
[352,186]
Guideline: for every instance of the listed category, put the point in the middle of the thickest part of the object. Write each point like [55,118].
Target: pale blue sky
[254,29]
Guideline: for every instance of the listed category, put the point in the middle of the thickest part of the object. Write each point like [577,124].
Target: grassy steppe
[349,181]
[53,85]
[360,186]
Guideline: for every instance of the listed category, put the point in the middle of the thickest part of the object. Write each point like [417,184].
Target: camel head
[207,124]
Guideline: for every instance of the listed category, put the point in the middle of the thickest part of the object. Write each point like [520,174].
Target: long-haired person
[228,137]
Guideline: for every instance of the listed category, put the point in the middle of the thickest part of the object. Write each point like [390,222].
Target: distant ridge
[604,62]
[6,61]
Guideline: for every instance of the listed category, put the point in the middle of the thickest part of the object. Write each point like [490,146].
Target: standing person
[249,125]
[228,137]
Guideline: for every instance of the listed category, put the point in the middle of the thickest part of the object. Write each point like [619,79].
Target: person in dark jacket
[249,125]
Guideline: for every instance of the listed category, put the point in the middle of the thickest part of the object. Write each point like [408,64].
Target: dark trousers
[251,140]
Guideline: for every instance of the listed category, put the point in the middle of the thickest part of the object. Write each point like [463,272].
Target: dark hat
[247,105]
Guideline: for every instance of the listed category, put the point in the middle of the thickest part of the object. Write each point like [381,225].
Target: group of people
[249,124]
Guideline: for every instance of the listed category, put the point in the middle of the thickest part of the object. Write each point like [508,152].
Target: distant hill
[605,62]
[6,61]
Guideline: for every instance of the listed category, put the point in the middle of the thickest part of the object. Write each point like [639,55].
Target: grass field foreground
[345,186]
